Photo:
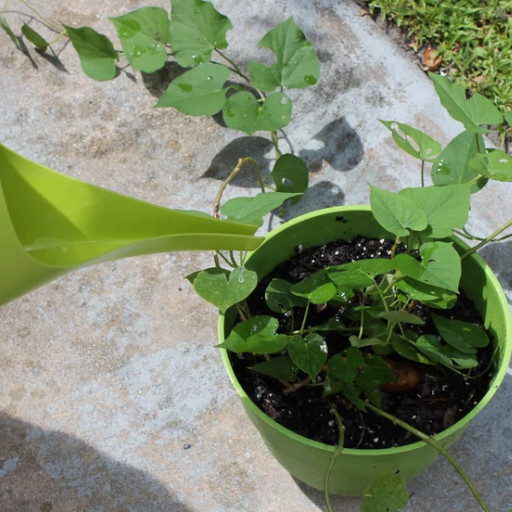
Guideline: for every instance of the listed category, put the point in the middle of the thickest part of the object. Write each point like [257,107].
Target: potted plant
[359,334]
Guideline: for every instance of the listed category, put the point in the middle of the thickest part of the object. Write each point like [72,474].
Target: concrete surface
[113,398]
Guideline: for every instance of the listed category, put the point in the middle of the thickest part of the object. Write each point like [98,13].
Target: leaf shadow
[156,83]
[338,144]
[53,60]
[48,470]
[225,160]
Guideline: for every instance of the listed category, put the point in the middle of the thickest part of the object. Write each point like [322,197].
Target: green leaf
[198,92]
[471,113]
[396,213]
[280,299]
[278,367]
[96,52]
[309,354]
[290,174]
[345,368]
[374,373]
[432,348]
[463,360]
[453,167]
[35,38]
[243,112]
[297,64]
[251,210]
[4,25]
[318,288]
[386,494]
[425,148]
[445,207]
[353,394]
[333,324]
[440,265]
[144,34]
[197,28]
[359,274]
[343,295]
[434,296]
[365,342]
[256,335]
[405,349]
[402,317]
[462,336]
[375,396]
[496,165]
[508,118]
[223,288]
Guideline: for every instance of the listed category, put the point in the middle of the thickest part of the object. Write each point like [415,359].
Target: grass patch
[473,38]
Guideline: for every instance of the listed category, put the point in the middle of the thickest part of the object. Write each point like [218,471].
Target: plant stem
[423,173]
[257,171]
[395,246]
[305,318]
[485,241]
[478,144]
[339,449]
[430,441]
[49,23]
[62,34]
[225,259]
[241,313]
[273,136]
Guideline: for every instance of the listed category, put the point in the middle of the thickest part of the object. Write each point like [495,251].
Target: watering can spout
[51,224]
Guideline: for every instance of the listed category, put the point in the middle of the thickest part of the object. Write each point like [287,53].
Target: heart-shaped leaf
[290,174]
[197,28]
[297,64]
[278,367]
[144,34]
[405,349]
[461,359]
[318,288]
[279,297]
[374,373]
[471,113]
[401,317]
[345,368]
[243,112]
[434,296]
[225,289]
[440,265]
[445,207]
[453,167]
[251,210]
[365,342]
[496,165]
[96,52]
[359,274]
[388,493]
[34,37]
[257,336]
[462,336]
[424,147]
[198,92]
[396,213]
[309,354]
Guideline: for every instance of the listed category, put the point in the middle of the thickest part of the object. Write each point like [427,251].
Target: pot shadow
[46,470]
[225,161]
[498,256]
[156,83]
[338,144]
[338,502]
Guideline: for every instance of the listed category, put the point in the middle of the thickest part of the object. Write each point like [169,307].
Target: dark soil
[440,400]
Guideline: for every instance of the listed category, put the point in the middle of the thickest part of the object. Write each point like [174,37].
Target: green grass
[474,38]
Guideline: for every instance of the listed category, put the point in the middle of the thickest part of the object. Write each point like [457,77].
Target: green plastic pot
[308,460]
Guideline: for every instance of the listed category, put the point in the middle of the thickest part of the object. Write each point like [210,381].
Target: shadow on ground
[498,256]
[48,471]
[156,83]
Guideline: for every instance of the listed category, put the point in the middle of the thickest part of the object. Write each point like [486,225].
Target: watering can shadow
[51,224]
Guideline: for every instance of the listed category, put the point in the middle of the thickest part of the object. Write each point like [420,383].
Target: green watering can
[51,224]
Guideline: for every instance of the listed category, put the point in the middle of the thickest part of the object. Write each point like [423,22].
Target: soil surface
[440,399]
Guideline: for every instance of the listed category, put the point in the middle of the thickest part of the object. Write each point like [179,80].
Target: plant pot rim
[494,385]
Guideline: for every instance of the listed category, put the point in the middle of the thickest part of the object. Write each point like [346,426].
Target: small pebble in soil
[187,446]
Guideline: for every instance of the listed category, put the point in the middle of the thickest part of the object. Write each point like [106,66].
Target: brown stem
[297,385]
